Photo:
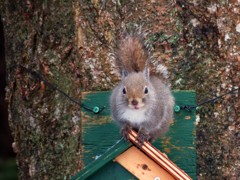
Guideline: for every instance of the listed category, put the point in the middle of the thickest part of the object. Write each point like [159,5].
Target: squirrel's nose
[134,102]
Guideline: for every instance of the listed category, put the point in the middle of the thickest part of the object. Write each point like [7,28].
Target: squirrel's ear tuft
[146,72]
[124,73]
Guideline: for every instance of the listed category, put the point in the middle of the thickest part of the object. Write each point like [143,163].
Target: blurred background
[8,169]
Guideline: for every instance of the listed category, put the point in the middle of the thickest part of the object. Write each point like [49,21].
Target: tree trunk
[211,65]
[41,41]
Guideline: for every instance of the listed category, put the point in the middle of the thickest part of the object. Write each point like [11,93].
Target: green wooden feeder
[102,144]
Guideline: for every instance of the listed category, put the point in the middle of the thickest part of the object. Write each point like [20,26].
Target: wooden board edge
[159,157]
[109,155]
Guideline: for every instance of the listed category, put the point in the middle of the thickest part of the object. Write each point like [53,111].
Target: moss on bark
[46,126]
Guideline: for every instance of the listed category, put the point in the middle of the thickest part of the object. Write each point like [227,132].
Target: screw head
[177,108]
[96,109]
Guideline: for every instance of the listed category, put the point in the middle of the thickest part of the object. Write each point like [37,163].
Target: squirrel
[140,101]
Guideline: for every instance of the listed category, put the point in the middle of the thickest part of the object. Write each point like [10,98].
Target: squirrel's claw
[142,136]
[125,130]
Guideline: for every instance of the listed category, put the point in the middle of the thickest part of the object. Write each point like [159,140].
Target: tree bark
[46,126]
[211,65]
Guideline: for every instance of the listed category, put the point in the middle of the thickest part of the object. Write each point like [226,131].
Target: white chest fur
[134,116]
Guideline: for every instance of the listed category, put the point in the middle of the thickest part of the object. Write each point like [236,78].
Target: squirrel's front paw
[143,136]
[124,131]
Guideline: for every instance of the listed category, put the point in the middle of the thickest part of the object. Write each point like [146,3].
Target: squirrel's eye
[145,90]
[124,90]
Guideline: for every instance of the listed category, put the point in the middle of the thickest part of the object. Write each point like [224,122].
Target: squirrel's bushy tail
[131,54]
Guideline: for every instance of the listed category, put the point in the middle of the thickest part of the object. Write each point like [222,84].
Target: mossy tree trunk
[46,126]
[211,65]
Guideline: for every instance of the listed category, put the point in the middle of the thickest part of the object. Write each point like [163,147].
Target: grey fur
[158,105]
[154,110]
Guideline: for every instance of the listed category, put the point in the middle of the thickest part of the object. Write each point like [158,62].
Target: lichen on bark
[46,126]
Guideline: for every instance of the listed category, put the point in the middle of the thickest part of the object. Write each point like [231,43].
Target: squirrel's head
[135,90]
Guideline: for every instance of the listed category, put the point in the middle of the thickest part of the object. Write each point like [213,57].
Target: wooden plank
[97,127]
[141,165]
[180,141]
[159,158]
[110,154]
[110,171]
[100,133]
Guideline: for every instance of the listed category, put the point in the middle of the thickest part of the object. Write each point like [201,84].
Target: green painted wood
[102,160]
[100,133]
[110,171]
[180,142]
